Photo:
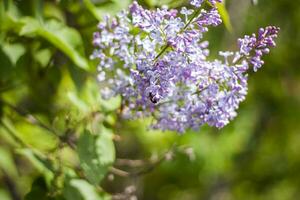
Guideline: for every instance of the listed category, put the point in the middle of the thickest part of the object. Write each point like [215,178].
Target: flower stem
[196,13]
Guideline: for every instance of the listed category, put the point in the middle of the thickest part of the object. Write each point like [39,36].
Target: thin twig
[119,172]
[131,163]
[29,118]
[12,134]
[147,169]
[35,121]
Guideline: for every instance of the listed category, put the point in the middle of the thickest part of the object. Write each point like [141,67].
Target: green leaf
[14,51]
[6,4]
[93,9]
[96,154]
[9,17]
[40,191]
[66,39]
[7,163]
[30,26]
[6,67]
[225,15]
[51,10]
[170,3]
[39,162]
[111,104]
[4,195]
[38,9]
[79,189]
[76,101]
[43,56]
[108,8]
[35,136]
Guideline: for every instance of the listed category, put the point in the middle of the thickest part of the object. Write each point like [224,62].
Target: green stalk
[196,13]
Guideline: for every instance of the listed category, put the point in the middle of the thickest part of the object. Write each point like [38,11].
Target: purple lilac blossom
[254,47]
[156,60]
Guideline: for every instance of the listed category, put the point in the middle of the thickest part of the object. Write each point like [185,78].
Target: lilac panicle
[254,47]
[156,60]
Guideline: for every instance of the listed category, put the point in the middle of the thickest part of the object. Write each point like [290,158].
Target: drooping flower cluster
[254,48]
[157,61]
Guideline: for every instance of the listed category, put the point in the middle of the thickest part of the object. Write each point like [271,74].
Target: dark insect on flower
[153,98]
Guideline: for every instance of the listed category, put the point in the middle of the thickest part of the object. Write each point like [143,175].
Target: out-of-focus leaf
[93,9]
[40,191]
[38,8]
[67,39]
[5,65]
[121,4]
[7,163]
[51,10]
[6,4]
[81,105]
[4,195]
[78,189]
[111,104]
[96,153]
[31,135]
[91,95]
[30,27]
[38,161]
[9,17]
[14,51]
[151,3]
[43,56]
[108,8]
[224,15]
[171,3]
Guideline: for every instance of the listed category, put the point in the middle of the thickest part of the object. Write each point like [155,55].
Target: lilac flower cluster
[254,48]
[156,60]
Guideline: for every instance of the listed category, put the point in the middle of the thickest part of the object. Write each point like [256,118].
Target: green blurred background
[49,95]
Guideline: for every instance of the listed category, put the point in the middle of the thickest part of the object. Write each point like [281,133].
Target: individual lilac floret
[196,3]
[208,18]
[156,60]
[254,47]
